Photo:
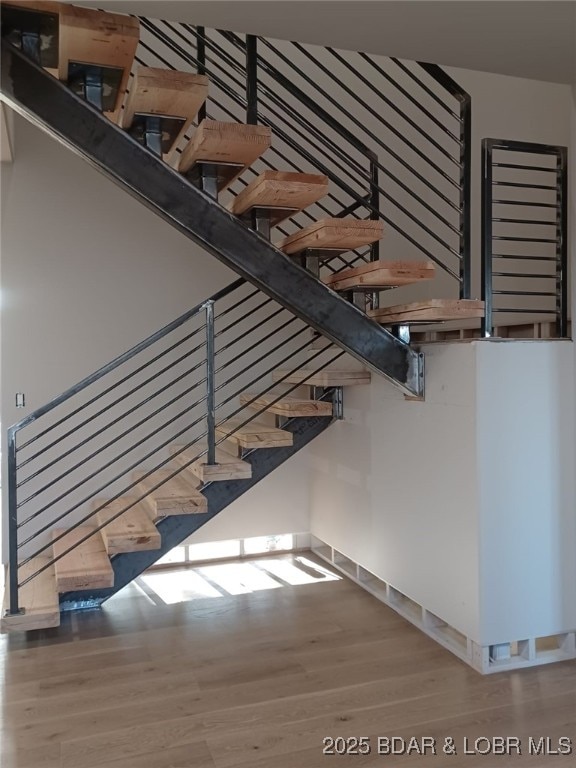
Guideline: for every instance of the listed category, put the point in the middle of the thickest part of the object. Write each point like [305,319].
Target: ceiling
[527,38]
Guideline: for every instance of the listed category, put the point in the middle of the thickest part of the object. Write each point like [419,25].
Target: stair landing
[38,598]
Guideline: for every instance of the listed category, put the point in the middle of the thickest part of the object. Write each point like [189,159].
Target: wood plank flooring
[258,680]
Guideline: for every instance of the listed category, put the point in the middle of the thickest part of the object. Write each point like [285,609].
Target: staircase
[296,331]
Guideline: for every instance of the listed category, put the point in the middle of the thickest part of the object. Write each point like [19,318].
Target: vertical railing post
[12,525]
[486,288]
[465,193]
[201,57]
[210,384]
[562,243]
[251,80]
[375,216]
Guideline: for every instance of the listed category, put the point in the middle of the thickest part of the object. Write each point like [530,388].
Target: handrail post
[251,79]
[486,288]
[201,57]
[12,525]
[465,196]
[210,384]
[562,243]
[375,216]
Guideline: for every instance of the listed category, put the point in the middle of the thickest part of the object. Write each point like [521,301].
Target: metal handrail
[505,227]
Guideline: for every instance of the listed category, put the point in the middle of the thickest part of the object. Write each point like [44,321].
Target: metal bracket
[338,403]
[401,332]
[19,612]
[96,84]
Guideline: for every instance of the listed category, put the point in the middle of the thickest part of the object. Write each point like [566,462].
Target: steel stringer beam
[49,104]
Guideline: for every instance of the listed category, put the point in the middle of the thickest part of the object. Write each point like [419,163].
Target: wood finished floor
[259,680]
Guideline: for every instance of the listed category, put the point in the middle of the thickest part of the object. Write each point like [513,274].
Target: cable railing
[392,136]
[176,392]
[524,232]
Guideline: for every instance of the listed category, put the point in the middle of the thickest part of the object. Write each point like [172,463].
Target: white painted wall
[526,458]
[394,486]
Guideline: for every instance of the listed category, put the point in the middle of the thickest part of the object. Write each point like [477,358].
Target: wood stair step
[287,406]
[101,38]
[254,434]
[39,598]
[177,496]
[285,191]
[433,310]
[344,234]
[167,93]
[232,144]
[133,531]
[228,467]
[325,378]
[87,566]
[381,274]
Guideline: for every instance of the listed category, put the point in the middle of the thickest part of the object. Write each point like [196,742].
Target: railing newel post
[251,79]
[210,383]
[465,196]
[12,526]
[486,285]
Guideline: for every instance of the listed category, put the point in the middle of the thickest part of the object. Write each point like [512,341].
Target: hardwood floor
[259,680]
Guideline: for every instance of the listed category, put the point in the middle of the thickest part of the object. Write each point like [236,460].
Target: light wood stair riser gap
[132,531]
[227,467]
[87,566]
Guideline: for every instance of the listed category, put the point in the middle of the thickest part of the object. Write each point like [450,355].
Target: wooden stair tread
[131,532]
[233,143]
[432,309]
[338,234]
[87,566]
[177,496]
[98,37]
[280,189]
[381,274]
[39,598]
[287,406]
[325,378]
[254,434]
[228,467]
[167,93]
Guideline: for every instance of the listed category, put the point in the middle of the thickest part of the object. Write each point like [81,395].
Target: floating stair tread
[383,274]
[433,310]
[133,531]
[254,434]
[228,467]
[325,378]
[280,189]
[336,234]
[287,406]
[39,598]
[87,566]
[177,496]
[98,37]
[233,143]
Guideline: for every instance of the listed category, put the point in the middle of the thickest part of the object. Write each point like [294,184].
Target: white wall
[393,486]
[526,459]
[465,502]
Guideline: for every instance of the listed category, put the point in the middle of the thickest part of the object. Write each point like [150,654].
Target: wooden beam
[177,496]
[338,234]
[97,37]
[167,93]
[39,598]
[434,310]
[133,531]
[254,434]
[383,274]
[231,143]
[325,378]
[228,467]
[87,566]
[280,189]
[287,406]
